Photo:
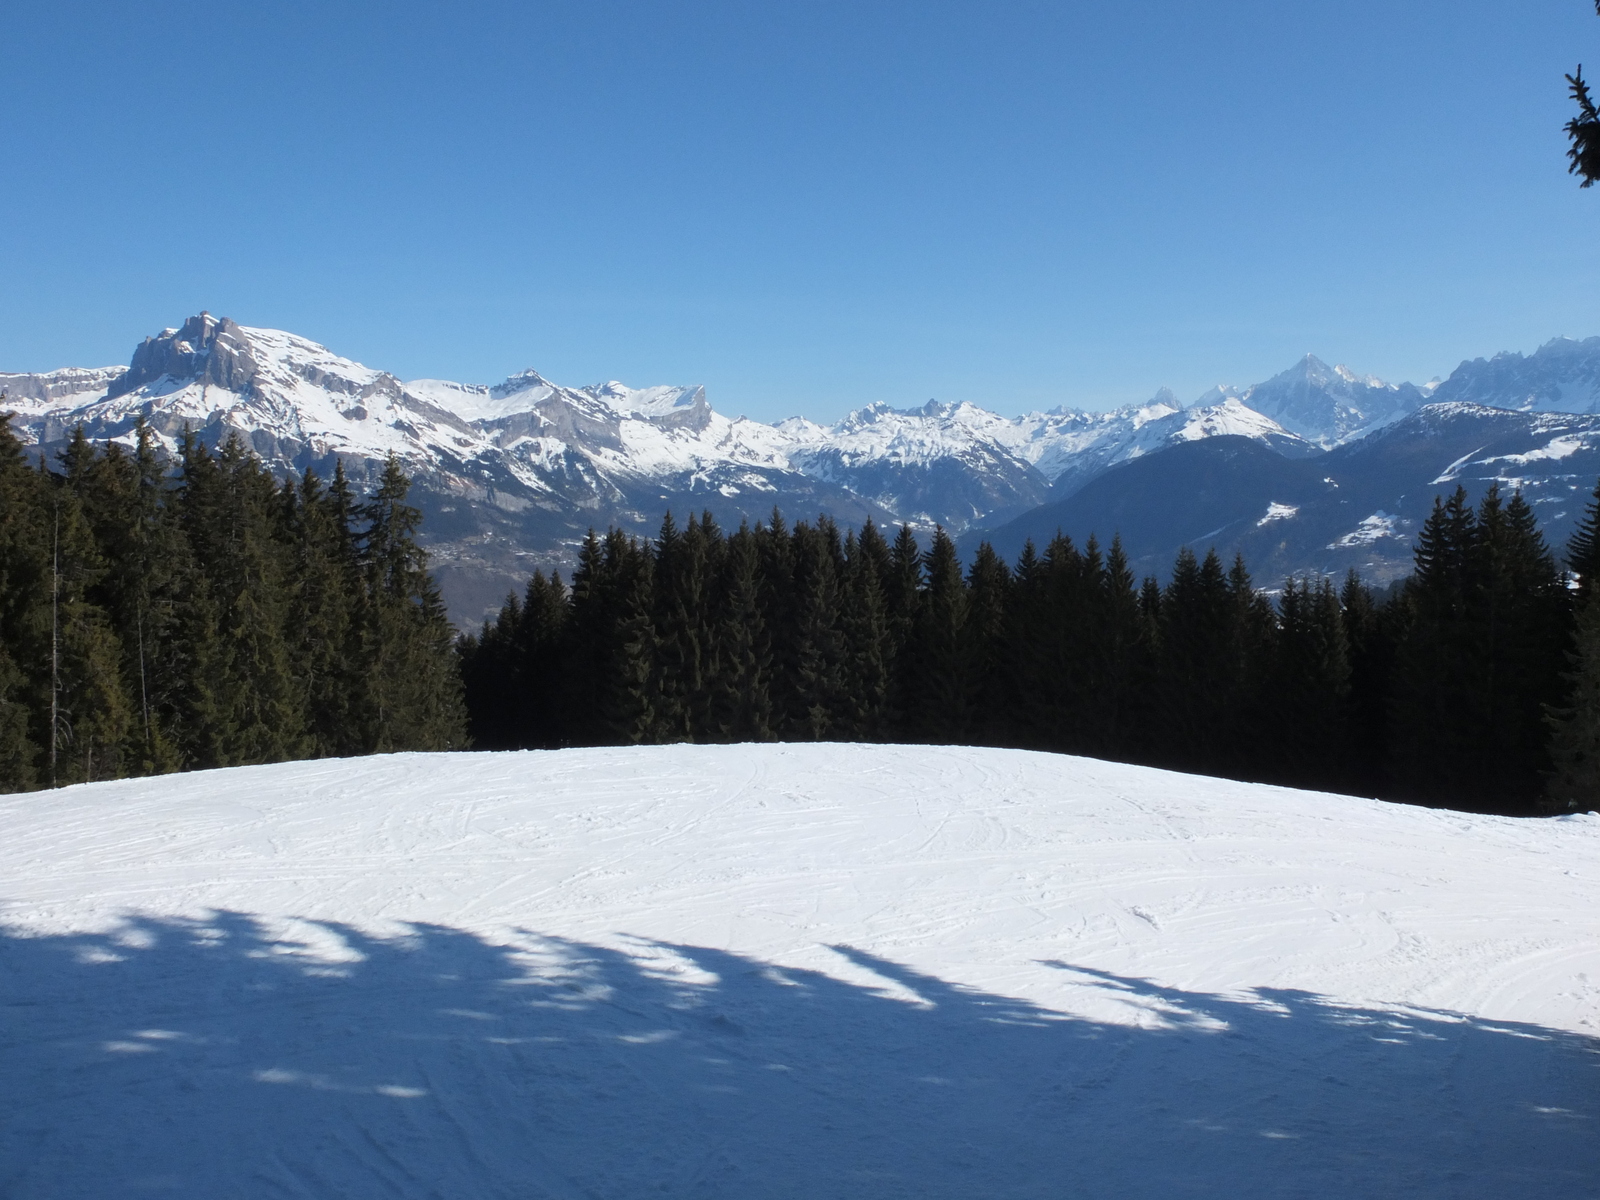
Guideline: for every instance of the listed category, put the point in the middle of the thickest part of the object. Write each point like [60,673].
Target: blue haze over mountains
[1317,470]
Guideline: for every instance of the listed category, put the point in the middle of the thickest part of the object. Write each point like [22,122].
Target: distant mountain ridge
[1358,506]
[510,476]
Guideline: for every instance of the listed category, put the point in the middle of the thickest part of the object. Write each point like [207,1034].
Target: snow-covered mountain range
[510,476]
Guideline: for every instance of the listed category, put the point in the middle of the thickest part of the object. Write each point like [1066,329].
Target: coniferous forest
[162,615]
[1465,685]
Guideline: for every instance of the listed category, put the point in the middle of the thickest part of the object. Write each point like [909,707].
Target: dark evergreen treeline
[158,616]
[1444,690]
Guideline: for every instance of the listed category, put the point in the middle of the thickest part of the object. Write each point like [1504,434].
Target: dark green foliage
[1575,726]
[1306,722]
[413,698]
[1436,692]
[1583,130]
[26,521]
[739,701]
[864,624]
[1483,656]
[983,644]
[940,680]
[1583,550]
[611,661]
[157,616]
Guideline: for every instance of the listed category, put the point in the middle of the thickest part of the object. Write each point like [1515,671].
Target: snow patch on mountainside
[1374,528]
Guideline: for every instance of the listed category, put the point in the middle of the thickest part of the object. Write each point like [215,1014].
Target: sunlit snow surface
[800,971]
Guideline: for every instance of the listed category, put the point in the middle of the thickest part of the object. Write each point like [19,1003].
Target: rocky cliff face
[1563,375]
[210,351]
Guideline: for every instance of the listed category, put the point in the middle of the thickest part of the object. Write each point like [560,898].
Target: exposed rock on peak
[206,349]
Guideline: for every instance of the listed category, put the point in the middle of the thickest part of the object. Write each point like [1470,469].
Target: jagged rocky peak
[1310,370]
[205,349]
[522,381]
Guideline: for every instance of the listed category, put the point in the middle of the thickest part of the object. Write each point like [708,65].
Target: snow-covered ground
[800,971]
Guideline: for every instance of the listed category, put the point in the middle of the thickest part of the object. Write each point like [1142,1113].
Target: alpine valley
[1318,469]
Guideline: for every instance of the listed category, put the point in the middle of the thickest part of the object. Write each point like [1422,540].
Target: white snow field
[796,971]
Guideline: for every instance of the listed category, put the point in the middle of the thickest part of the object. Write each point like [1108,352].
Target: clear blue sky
[806,206]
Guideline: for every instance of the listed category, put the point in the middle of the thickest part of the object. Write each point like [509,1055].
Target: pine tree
[493,678]
[25,602]
[90,715]
[413,683]
[629,712]
[1308,701]
[1482,656]
[1373,633]
[740,702]
[1583,549]
[815,691]
[864,626]
[680,597]
[18,754]
[1199,670]
[1574,782]
[537,651]
[1126,646]
[902,594]
[1027,711]
[324,602]
[983,647]
[937,672]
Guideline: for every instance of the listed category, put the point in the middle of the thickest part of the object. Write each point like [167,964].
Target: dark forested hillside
[1442,691]
[159,615]
[1358,506]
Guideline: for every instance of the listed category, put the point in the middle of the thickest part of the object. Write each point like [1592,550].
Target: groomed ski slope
[801,971]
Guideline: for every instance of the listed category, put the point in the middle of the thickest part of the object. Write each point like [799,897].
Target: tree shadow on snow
[234,1057]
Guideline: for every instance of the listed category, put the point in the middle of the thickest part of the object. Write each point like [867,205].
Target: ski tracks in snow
[788,970]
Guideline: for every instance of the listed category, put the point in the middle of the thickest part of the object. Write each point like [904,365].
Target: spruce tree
[740,700]
[493,678]
[324,604]
[537,652]
[18,753]
[89,716]
[1027,711]
[1372,633]
[1482,656]
[1198,680]
[413,695]
[864,626]
[937,671]
[1303,730]
[815,688]
[1574,781]
[983,649]
[680,598]
[902,594]
[25,612]
[1583,549]
[1128,653]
